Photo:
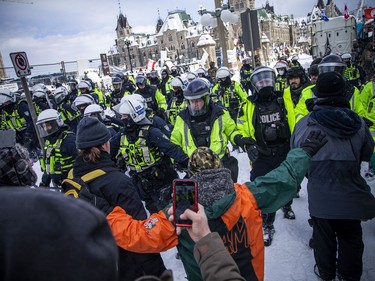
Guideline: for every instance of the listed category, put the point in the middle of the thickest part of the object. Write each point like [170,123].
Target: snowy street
[290,258]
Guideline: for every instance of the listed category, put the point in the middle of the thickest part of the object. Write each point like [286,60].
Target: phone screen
[185,197]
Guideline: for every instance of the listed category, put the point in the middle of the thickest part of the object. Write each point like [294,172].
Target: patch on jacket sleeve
[150,223]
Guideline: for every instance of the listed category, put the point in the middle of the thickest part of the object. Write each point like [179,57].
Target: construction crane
[18,1]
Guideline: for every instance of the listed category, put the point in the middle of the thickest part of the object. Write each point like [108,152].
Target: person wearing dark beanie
[330,84]
[52,237]
[339,198]
[91,132]
[114,187]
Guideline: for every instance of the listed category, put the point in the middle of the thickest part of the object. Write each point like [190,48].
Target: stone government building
[182,40]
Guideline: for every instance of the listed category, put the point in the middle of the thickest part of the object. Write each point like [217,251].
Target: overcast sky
[51,31]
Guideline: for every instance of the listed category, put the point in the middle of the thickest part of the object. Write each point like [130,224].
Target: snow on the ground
[290,258]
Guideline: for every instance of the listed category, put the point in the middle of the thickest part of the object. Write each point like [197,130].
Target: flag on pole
[328,48]
[151,64]
[346,13]
[323,16]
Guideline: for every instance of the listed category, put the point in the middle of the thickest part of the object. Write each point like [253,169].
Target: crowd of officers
[157,122]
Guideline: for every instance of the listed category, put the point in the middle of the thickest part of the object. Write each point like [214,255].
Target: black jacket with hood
[336,189]
[118,190]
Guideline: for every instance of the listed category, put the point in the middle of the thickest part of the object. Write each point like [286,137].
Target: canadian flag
[151,64]
[346,13]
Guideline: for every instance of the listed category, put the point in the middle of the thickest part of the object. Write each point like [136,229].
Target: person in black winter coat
[116,188]
[339,197]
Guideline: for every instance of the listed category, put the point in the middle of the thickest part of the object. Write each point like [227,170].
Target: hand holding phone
[185,196]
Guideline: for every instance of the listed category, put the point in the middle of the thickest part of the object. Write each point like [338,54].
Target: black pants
[338,241]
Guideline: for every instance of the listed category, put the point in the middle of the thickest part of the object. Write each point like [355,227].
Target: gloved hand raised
[314,141]
[253,152]
[243,142]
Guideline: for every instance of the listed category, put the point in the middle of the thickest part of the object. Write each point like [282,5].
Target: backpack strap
[73,185]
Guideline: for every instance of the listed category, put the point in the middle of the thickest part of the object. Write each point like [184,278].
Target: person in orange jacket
[233,210]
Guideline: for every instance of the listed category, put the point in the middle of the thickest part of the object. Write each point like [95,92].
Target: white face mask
[281,72]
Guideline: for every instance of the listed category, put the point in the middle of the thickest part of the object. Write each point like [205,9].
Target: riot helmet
[72,83]
[191,76]
[263,80]
[346,58]
[49,121]
[39,94]
[95,111]
[223,76]
[331,63]
[7,100]
[197,93]
[246,63]
[84,87]
[178,87]
[281,67]
[133,113]
[116,83]
[201,72]
[81,102]
[154,74]
[60,94]
[174,71]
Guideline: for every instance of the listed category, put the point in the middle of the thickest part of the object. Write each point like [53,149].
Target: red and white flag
[346,13]
[151,64]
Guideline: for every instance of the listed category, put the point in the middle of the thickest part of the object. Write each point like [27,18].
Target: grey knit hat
[91,133]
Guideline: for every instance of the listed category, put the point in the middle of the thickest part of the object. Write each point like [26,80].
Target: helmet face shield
[331,67]
[262,79]
[47,128]
[198,106]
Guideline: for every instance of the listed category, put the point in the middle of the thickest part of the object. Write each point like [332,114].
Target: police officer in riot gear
[146,151]
[245,73]
[59,148]
[177,102]
[281,82]
[69,115]
[228,93]
[204,123]
[269,120]
[154,99]
[330,63]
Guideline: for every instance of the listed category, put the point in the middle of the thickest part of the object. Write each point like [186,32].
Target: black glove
[243,142]
[310,104]
[368,122]
[182,166]
[97,201]
[253,152]
[314,141]
[45,181]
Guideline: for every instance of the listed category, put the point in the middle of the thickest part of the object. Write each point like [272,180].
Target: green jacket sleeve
[214,260]
[273,190]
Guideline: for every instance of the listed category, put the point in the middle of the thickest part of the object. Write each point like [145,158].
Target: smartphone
[185,196]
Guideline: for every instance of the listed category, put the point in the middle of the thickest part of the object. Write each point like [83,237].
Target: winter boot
[288,213]
[316,271]
[268,232]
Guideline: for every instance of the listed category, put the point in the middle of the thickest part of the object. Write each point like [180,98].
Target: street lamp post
[127,43]
[211,18]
